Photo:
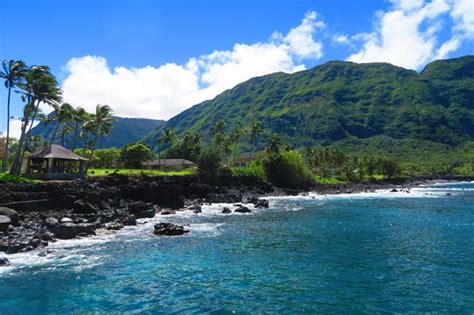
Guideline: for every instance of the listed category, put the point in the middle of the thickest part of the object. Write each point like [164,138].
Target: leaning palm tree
[13,72]
[39,86]
[168,136]
[64,114]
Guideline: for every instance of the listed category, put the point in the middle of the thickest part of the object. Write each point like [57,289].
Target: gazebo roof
[55,151]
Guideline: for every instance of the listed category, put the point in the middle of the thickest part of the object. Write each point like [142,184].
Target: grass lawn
[5,177]
[102,172]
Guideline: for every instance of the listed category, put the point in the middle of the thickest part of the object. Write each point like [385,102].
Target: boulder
[226,210]
[70,230]
[141,209]
[242,209]
[12,214]
[394,190]
[130,220]
[114,226]
[81,206]
[4,261]
[51,221]
[4,223]
[169,229]
[168,212]
[261,203]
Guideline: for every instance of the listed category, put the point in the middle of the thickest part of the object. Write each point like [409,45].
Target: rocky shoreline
[65,210]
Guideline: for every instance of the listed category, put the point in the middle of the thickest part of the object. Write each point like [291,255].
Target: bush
[209,165]
[134,154]
[254,168]
[288,169]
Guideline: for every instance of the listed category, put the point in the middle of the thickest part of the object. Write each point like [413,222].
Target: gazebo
[55,162]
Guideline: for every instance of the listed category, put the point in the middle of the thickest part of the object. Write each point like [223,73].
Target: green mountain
[124,131]
[347,103]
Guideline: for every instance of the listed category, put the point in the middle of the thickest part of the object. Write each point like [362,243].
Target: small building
[244,160]
[55,162]
[169,164]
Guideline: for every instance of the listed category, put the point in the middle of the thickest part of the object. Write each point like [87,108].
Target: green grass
[103,172]
[5,177]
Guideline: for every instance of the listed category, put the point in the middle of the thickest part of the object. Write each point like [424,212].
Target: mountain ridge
[339,100]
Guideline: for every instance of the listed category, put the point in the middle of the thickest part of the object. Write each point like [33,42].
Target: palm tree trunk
[86,135]
[92,151]
[5,154]
[76,124]
[235,152]
[27,139]
[54,133]
[14,169]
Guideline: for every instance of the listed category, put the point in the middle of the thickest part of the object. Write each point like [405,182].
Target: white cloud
[341,39]
[15,127]
[407,34]
[163,91]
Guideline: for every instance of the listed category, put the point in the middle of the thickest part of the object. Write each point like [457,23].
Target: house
[169,164]
[55,162]
[244,160]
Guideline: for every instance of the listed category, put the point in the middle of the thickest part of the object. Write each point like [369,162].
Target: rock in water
[12,214]
[4,223]
[169,229]
[226,210]
[81,206]
[4,261]
[261,203]
[242,209]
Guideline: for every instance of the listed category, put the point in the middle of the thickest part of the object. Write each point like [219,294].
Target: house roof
[169,162]
[56,152]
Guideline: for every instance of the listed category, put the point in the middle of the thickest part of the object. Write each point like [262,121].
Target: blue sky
[155,58]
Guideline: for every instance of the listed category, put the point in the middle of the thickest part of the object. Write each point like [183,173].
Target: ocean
[379,252]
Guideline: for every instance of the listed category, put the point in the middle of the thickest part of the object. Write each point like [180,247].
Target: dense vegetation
[360,109]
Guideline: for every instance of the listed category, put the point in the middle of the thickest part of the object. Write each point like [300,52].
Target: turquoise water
[365,253]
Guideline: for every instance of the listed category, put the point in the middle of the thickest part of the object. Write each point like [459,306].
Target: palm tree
[255,131]
[168,136]
[235,137]
[102,123]
[79,116]
[220,140]
[39,86]
[13,72]
[64,114]
[273,144]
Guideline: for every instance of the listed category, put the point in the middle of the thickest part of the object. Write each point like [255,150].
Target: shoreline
[92,207]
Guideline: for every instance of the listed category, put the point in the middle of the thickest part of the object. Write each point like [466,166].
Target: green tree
[39,86]
[274,144]
[79,116]
[101,124]
[288,169]
[235,137]
[209,166]
[168,137]
[134,154]
[64,113]
[13,72]
[255,132]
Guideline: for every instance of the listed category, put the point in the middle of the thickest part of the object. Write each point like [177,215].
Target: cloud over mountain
[163,91]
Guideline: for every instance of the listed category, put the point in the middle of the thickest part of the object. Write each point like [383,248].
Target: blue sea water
[364,253]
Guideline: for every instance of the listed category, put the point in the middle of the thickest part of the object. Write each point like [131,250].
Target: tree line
[37,85]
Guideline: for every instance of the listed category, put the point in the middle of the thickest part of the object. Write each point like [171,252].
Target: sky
[154,59]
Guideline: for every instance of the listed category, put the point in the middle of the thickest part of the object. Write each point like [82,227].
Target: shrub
[288,169]
[209,165]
